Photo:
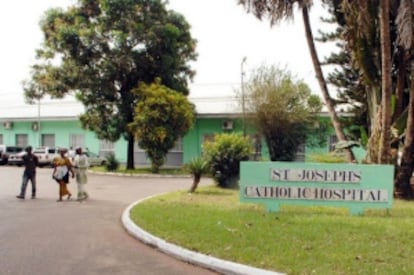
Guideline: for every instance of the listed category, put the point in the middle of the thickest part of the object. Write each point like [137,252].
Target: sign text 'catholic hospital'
[307,193]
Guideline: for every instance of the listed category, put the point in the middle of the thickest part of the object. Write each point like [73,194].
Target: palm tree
[280,10]
[197,167]
[368,37]
[405,21]
[362,40]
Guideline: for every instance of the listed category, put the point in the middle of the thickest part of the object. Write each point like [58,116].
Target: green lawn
[296,240]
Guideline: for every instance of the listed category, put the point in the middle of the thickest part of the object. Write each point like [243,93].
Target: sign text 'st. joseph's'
[315,175]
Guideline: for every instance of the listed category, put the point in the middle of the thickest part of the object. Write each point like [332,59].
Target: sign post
[354,186]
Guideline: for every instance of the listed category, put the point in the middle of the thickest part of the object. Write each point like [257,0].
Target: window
[77,140]
[301,149]
[178,146]
[208,137]
[138,148]
[48,140]
[257,146]
[106,145]
[300,153]
[332,140]
[21,140]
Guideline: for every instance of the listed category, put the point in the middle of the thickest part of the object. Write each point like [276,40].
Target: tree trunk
[399,89]
[405,172]
[385,139]
[322,83]
[374,138]
[196,181]
[130,157]
[373,102]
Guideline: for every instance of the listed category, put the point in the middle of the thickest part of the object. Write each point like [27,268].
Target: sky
[225,33]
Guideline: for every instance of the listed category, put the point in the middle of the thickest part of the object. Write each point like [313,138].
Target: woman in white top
[81,164]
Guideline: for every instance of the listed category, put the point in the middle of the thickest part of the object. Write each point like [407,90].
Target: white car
[46,155]
[94,159]
[6,151]
[16,159]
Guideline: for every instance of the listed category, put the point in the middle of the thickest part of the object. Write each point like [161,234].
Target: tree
[345,77]
[197,167]
[405,22]
[379,38]
[361,35]
[282,109]
[161,117]
[281,9]
[101,49]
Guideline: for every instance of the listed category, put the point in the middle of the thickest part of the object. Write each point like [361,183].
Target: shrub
[224,154]
[111,163]
[328,158]
[197,167]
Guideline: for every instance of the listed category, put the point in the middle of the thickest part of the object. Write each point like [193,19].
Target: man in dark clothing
[30,162]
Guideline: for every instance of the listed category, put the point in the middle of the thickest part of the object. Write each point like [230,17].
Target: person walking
[81,164]
[30,162]
[62,167]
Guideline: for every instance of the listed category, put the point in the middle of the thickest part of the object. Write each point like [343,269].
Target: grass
[296,240]
[143,170]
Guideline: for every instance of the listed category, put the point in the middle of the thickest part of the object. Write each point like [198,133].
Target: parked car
[16,159]
[46,155]
[94,159]
[6,151]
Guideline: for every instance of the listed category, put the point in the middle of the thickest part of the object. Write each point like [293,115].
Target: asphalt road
[42,236]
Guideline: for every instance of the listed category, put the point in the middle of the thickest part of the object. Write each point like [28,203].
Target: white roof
[69,108]
[213,100]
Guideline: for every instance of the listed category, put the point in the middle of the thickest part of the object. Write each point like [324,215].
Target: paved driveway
[45,237]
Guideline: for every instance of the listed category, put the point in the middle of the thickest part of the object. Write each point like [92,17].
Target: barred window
[21,140]
[208,137]
[48,140]
[106,145]
[178,146]
[76,140]
[332,140]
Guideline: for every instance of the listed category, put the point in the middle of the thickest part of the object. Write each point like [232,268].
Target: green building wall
[191,142]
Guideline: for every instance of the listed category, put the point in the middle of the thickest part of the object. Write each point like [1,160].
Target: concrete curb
[138,175]
[221,266]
